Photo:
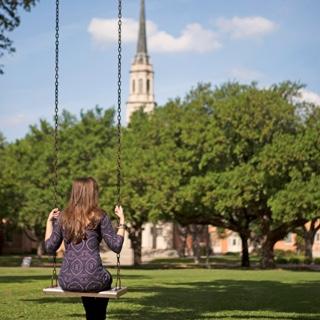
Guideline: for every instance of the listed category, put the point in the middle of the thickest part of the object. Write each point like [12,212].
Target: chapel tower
[141,74]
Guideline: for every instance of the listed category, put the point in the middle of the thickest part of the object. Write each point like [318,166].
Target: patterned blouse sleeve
[113,240]
[53,243]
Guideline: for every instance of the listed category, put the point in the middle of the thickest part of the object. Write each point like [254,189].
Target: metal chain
[118,281]
[54,278]
[56,108]
[119,104]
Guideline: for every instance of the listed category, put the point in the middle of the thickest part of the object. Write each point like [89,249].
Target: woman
[82,225]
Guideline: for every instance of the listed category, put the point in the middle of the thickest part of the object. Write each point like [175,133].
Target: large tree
[32,159]
[180,130]
[142,178]
[218,141]
[204,146]
[80,143]
[9,191]
[296,162]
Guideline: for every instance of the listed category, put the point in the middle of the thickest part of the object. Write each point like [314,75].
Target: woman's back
[82,268]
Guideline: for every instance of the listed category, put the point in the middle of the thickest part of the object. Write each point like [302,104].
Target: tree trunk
[1,237]
[196,232]
[271,236]
[135,235]
[208,247]
[308,236]
[40,248]
[154,236]
[245,260]
[182,233]
[267,254]
[308,241]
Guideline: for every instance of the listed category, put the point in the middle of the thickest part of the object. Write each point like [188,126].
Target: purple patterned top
[82,268]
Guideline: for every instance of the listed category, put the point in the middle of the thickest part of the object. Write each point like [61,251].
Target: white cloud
[246,27]
[245,74]
[309,96]
[15,120]
[193,38]
[104,31]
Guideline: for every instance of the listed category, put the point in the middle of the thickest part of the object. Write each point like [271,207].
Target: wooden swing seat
[114,293]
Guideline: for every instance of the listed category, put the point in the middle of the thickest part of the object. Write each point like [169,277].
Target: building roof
[142,50]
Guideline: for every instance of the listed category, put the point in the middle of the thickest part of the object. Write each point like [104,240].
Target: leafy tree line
[241,158]
[235,156]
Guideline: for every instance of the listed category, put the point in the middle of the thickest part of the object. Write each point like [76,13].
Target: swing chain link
[119,104]
[118,280]
[56,109]
[54,279]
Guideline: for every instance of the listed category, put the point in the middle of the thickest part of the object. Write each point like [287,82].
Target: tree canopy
[234,156]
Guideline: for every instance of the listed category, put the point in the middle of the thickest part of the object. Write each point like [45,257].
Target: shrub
[281,260]
[294,260]
[232,253]
[284,253]
[307,261]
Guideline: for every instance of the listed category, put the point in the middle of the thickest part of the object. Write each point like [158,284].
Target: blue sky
[189,41]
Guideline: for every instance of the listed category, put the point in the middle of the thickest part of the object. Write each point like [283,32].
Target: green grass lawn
[15,260]
[173,294]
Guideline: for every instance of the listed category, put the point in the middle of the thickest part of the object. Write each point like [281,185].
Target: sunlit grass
[173,294]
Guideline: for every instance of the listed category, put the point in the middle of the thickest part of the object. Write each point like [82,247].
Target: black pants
[96,308]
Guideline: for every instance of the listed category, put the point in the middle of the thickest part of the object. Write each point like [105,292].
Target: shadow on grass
[236,299]
[47,300]
[23,278]
[220,299]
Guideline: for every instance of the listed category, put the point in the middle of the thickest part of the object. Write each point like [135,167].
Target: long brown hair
[82,211]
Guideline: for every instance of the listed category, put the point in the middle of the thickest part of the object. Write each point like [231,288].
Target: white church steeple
[141,74]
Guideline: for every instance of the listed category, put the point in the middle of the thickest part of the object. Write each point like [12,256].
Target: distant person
[82,225]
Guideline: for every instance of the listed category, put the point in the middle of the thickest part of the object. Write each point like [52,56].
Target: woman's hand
[119,213]
[54,214]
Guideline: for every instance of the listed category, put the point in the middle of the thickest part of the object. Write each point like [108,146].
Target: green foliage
[294,260]
[292,162]
[29,162]
[32,163]
[230,153]
[235,156]
[307,261]
[10,195]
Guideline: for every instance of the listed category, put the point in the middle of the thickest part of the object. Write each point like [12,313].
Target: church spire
[142,51]
[141,73]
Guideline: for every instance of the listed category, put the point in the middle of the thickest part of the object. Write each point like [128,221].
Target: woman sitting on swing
[82,225]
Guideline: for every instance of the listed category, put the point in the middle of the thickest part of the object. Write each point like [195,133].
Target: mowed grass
[172,294]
